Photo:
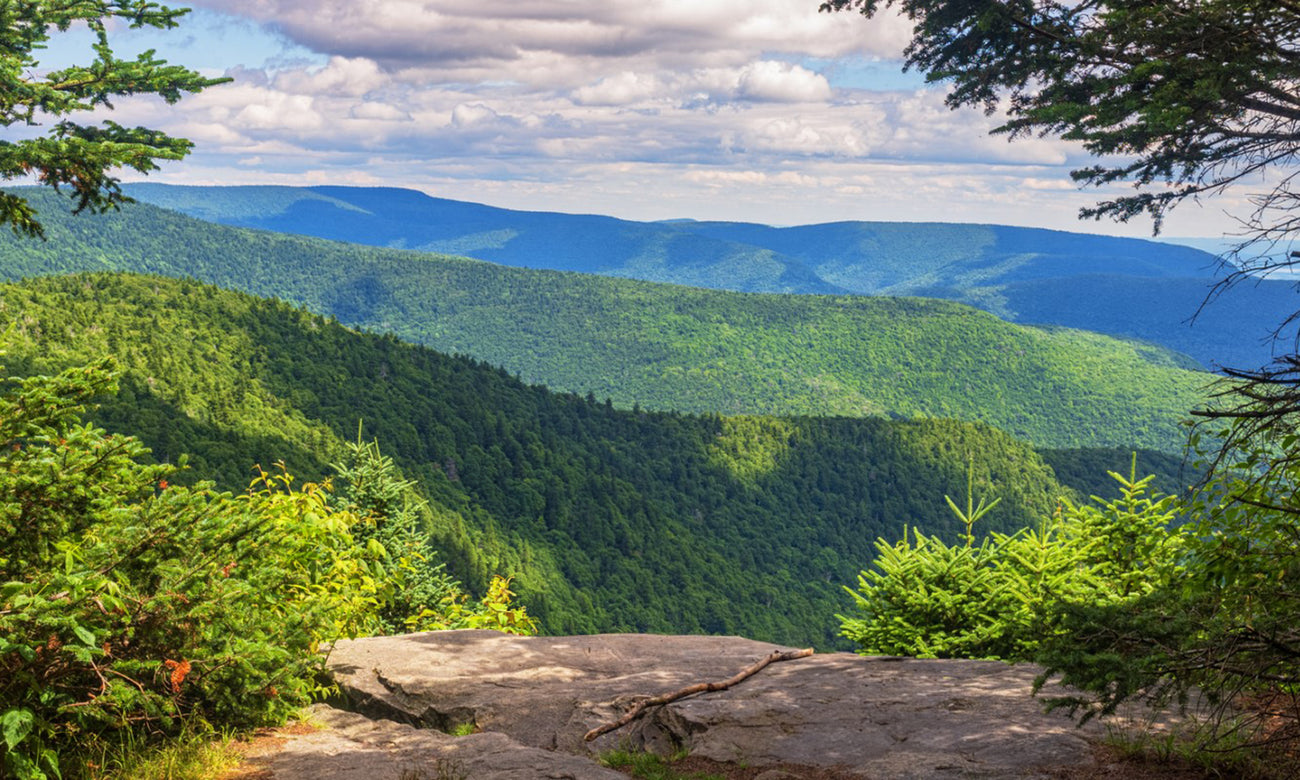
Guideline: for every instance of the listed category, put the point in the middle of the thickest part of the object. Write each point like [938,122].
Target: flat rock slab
[866,717]
[353,747]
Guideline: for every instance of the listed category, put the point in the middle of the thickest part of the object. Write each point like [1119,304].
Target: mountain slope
[668,347]
[1021,274]
[405,219]
[611,520]
[874,258]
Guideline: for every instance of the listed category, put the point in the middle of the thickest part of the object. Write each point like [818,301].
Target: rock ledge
[531,699]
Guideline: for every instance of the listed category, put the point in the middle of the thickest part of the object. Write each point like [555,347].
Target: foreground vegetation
[1169,600]
[132,607]
[671,348]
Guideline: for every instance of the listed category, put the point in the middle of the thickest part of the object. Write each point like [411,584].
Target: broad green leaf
[15,725]
[85,635]
[25,768]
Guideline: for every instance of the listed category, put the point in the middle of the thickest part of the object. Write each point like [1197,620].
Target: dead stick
[749,671]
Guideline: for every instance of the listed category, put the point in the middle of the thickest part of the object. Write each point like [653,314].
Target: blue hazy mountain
[1132,288]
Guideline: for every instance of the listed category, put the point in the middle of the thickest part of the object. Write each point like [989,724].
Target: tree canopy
[1182,98]
[78,156]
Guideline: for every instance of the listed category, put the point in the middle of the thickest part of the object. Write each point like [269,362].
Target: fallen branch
[749,671]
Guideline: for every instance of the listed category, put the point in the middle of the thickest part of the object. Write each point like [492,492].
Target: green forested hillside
[610,519]
[1088,471]
[665,347]
[1119,286]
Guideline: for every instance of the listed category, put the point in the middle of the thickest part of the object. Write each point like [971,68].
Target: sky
[762,111]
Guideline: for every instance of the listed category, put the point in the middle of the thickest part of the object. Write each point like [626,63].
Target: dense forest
[609,519]
[670,348]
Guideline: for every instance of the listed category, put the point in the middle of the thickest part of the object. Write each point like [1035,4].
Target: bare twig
[749,671]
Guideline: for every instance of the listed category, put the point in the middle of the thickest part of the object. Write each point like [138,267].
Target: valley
[666,347]
[608,519]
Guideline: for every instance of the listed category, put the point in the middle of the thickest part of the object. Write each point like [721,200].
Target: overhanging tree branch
[80,158]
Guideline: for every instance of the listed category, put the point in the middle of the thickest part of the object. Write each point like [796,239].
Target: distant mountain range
[668,347]
[1125,287]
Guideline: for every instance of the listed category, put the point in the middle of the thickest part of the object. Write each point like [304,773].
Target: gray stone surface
[354,747]
[889,719]
[870,717]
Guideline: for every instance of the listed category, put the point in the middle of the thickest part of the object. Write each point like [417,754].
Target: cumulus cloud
[624,88]
[642,108]
[473,115]
[373,109]
[761,81]
[352,77]
[782,82]
[683,81]
[454,36]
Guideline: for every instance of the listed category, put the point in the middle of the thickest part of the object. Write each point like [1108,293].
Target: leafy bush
[127,603]
[1005,597]
[393,513]
[927,599]
[1221,617]
[1144,597]
[496,611]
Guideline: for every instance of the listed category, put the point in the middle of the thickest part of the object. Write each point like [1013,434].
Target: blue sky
[762,111]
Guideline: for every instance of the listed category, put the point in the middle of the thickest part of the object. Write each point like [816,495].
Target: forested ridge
[1124,287]
[670,348]
[609,519]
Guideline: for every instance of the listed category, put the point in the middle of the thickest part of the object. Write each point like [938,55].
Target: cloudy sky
[762,110]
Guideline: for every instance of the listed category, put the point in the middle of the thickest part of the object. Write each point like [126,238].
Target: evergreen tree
[391,513]
[81,157]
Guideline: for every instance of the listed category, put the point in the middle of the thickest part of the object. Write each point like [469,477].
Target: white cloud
[760,81]
[278,111]
[353,77]
[642,108]
[473,115]
[782,82]
[813,136]
[620,89]
[454,35]
[373,109]
[725,178]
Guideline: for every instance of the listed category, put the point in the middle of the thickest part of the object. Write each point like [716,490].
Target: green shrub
[496,611]
[422,596]
[1006,596]
[1219,617]
[1144,597]
[128,604]
[394,514]
[927,599]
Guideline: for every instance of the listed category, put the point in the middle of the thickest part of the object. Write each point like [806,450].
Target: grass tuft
[648,766]
[196,754]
